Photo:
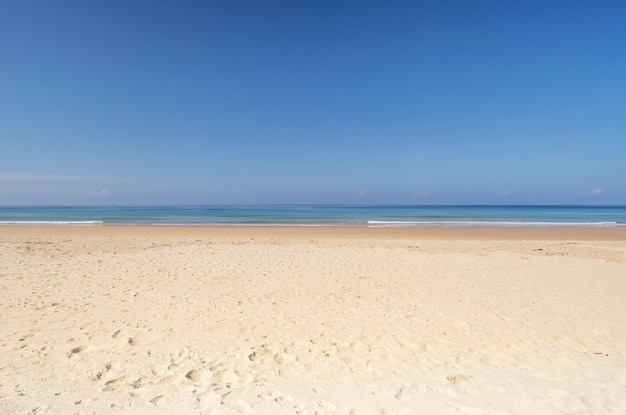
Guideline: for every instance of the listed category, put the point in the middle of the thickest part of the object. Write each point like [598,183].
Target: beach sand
[159,320]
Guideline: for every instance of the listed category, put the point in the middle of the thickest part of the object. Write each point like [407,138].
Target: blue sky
[417,102]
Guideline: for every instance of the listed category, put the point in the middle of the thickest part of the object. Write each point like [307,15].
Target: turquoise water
[321,215]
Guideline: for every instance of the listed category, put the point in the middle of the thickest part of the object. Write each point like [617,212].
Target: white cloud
[101,193]
[34,177]
[594,192]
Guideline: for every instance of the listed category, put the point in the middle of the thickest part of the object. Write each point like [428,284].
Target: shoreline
[334,232]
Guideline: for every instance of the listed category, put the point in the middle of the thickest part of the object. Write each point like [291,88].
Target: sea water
[320,215]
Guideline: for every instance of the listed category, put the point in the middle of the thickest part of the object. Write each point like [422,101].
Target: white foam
[490,224]
[52,222]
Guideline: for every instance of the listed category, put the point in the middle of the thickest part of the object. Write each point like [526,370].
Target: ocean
[320,215]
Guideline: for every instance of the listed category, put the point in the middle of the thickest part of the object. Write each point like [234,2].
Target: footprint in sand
[195,375]
[116,384]
[156,399]
[79,349]
[230,400]
[99,374]
[459,379]
[226,376]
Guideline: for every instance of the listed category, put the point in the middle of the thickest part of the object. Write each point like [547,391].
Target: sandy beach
[305,320]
